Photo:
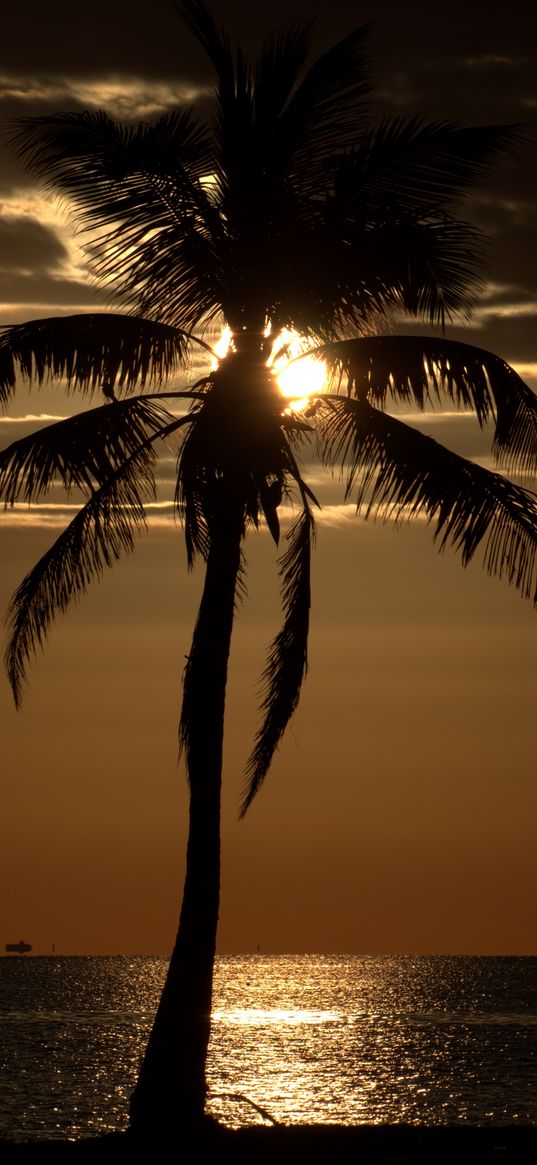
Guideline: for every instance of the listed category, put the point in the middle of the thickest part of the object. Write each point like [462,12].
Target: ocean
[308,1038]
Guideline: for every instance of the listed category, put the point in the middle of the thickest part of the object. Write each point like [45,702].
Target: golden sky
[399,815]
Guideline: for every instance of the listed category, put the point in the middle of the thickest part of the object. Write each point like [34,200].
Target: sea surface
[327,1039]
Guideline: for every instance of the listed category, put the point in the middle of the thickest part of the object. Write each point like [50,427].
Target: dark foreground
[330,1144]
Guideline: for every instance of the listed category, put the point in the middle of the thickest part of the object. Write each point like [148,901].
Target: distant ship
[20,948]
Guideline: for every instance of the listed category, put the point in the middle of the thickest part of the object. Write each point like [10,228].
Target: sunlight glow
[222,346]
[274,1015]
[297,378]
[298,375]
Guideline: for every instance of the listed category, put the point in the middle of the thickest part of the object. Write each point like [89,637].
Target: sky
[399,814]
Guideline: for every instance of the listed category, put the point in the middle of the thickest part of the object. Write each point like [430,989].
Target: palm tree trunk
[171,1088]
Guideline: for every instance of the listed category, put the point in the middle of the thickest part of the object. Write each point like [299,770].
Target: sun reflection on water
[304,1039]
[257,1015]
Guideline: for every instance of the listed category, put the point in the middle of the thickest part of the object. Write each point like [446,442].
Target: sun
[298,375]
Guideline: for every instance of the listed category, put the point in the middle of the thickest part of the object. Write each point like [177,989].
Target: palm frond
[120,352]
[100,533]
[431,268]
[393,191]
[287,658]
[142,193]
[214,41]
[81,452]
[232,120]
[421,370]
[194,484]
[397,472]
[410,164]
[278,69]
[327,110]
[191,504]
[84,155]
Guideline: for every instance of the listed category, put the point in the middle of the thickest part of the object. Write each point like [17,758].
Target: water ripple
[309,1038]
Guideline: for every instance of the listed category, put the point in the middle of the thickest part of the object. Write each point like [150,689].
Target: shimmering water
[307,1038]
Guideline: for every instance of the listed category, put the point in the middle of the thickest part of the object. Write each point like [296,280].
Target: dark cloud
[76,40]
[511,226]
[28,246]
[80,40]
[46,289]
[479,88]
[514,337]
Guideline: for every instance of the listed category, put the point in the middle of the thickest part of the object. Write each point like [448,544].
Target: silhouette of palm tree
[285,208]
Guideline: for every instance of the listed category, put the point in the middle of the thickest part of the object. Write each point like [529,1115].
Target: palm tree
[286,209]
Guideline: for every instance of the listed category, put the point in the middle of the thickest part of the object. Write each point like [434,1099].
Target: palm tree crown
[286,208]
